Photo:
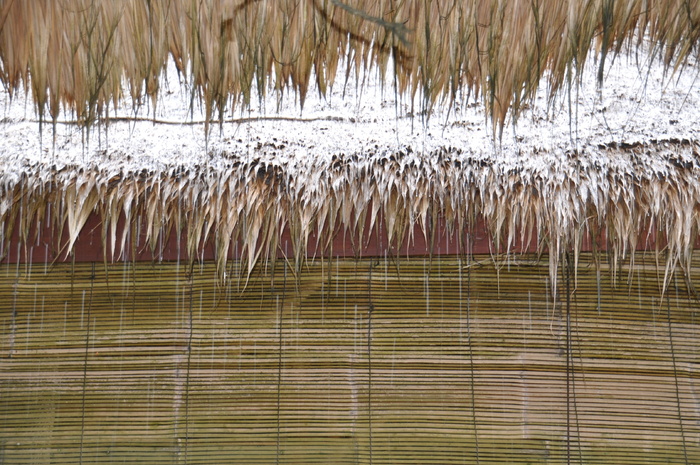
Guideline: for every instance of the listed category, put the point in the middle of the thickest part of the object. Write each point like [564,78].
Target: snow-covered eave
[557,201]
[623,162]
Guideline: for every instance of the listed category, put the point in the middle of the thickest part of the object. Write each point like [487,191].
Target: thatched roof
[83,56]
[616,164]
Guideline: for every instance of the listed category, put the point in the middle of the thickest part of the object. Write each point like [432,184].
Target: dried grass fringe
[86,55]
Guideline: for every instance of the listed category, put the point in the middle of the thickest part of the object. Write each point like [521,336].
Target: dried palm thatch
[607,197]
[79,54]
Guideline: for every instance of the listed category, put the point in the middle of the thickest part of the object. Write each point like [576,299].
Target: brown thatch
[85,55]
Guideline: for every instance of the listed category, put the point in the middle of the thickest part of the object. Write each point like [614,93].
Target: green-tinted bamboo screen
[349,361]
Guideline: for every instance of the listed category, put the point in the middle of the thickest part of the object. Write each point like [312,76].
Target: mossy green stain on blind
[465,357]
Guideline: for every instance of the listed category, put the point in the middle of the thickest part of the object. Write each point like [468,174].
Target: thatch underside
[84,56]
[402,361]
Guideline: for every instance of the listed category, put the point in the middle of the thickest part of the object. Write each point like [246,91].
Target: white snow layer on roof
[639,102]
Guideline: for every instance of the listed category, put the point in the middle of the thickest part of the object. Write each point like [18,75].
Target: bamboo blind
[372,361]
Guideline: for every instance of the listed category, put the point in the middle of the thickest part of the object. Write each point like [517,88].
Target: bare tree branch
[398,29]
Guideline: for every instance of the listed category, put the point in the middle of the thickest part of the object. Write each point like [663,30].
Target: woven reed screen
[349,361]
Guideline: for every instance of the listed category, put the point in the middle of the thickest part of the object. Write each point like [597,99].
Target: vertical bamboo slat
[353,361]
